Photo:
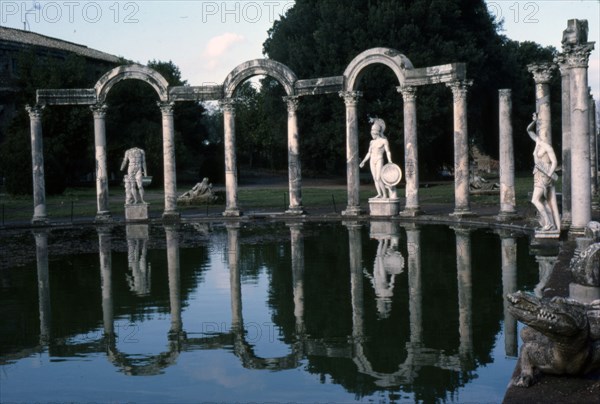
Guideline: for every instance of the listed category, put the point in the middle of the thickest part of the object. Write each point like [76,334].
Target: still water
[329,312]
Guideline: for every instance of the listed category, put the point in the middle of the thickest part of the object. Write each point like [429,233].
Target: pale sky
[207,39]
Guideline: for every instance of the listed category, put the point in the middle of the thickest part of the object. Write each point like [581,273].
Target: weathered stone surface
[79,96]
[286,77]
[592,231]
[132,71]
[384,207]
[586,267]
[200,194]
[136,212]
[196,93]
[436,74]
[389,57]
[324,85]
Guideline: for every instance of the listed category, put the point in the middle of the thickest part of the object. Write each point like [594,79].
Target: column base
[136,212]
[460,213]
[103,217]
[232,212]
[40,221]
[507,216]
[576,231]
[296,211]
[171,216]
[352,211]
[565,222]
[548,234]
[384,206]
[411,212]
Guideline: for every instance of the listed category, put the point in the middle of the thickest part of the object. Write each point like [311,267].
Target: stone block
[384,206]
[136,212]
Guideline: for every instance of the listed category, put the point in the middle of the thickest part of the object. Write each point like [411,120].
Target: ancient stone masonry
[409,79]
[507,163]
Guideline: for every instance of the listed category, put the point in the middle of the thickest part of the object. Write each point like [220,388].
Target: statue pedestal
[548,234]
[384,206]
[136,212]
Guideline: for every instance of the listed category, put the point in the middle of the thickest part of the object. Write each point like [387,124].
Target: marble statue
[136,158]
[544,177]
[201,193]
[378,148]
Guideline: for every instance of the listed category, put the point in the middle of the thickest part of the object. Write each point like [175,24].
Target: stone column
[542,73]
[172,239]
[565,76]
[235,284]
[231,208]
[352,158]
[465,305]
[593,150]
[99,111]
[37,165]
[294,166]
[507,161]
[170,213]
[411,154]
[297,243]
[461,148]
[581,208]
[44,307]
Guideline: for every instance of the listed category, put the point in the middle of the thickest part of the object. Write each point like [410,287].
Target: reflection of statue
[201,193]
[135,173]
[389,262]
[544,176]
[377,148]
[139,280]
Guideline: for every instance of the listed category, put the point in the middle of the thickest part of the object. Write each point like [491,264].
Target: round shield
[391,174]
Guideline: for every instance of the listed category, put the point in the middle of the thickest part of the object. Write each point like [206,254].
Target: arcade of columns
[579,174]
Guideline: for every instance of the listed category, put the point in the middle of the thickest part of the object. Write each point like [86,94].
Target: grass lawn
[81,202]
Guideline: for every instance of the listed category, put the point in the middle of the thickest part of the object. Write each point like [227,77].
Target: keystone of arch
[387,56]
[283,74]
[133,71]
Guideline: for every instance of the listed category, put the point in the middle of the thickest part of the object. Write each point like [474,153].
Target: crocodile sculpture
[563,337]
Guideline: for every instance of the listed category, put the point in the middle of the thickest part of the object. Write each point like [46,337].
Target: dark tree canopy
[320,38]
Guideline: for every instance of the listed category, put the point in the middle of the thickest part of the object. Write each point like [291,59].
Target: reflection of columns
[463,269]
[581,204]
[352,159]
[99,111]
[297,242]
[566,139]
[415,283]
[294,167]
[104,248]
[461,147]
[231,208]
[37,165]
[411,155]
[235,284]
[174,279]
[41,251]
[170,213]
[542,73]
[507,162]
[509,285]
[356,279]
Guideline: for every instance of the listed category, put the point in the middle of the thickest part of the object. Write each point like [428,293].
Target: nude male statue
[135,172]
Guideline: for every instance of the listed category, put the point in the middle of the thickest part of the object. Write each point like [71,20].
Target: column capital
[292,102]
[579,55]
[228,105]
[350,97]
[563,66]
[542,72]
[99,110]
[35,111]
[505,93]
[166,107]
[409,93]
[459,88]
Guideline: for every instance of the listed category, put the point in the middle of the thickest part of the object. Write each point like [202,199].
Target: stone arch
[387,56]
[278,71]
[133,71]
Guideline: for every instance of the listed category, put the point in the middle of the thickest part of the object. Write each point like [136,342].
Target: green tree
[319,39]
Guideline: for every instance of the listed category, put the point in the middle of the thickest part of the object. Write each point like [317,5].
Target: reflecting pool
[244,312]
